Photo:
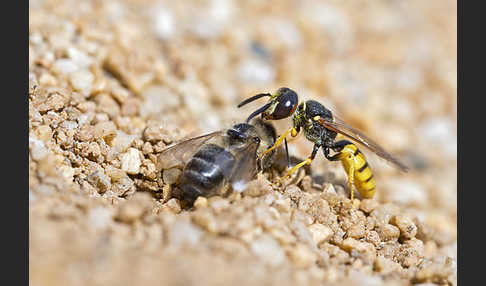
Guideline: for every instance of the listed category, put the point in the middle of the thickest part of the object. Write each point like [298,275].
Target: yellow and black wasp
[321,127]
[214,162]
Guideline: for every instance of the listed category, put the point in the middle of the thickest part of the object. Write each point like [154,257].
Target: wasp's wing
[339,126]
[180,153]
[245,168]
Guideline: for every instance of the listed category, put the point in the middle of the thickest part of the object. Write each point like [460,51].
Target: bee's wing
[180,153]
[339,126]
[245,168]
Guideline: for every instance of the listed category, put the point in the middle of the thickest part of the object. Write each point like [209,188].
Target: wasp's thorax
[307,117]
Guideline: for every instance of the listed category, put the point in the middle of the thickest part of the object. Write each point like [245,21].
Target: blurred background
[387,67]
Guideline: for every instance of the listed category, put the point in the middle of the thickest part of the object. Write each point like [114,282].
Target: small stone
[320,233]
[388,232]
[85,133]
[105,130]
[258,187]
[406,226]
[283,205]
[64,66]
[82,81]
[130,161]
[38,150]
[122,141]
[356,248]
[130,211]
[385,265]
[301,255]
[201,202]
[170,176]
[356,231]
[205,219]
[268,250]
[368,205]
[218,204]
[174,205]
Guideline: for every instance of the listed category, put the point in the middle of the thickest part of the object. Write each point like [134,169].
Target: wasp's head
[282,104]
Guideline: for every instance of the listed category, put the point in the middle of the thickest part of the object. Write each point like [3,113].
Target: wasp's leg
[351,181]
[278,141]
[287,153]
[305,162]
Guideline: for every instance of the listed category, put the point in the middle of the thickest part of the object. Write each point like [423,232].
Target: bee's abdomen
[205,172]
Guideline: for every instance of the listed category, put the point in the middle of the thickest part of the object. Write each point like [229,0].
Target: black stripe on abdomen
[205,172]
[369,179]
[364,167]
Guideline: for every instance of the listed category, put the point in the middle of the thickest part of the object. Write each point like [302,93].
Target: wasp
[214,162]
[319,126]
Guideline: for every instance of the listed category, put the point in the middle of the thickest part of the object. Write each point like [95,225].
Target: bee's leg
[305,162]
[278,141]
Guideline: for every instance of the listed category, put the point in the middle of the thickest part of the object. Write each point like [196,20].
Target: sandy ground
[112,83]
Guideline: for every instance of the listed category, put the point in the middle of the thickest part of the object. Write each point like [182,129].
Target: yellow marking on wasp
[298,166]
[280,140]
[316,118]
[359,174]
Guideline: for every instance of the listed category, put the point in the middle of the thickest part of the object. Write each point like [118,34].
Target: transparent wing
[180,153]
[245,168]
[339,126]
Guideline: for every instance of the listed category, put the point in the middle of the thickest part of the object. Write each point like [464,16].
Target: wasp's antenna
[255,97]
[258,111]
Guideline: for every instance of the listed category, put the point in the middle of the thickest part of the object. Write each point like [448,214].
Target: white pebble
[99,218]
[183,233]
[64,66]
[163,23]
[122,141]
[255,72]
[38,150]
[268,250]
[130,161]
[82,81]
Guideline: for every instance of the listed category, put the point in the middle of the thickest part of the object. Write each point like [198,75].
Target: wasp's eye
[286,103]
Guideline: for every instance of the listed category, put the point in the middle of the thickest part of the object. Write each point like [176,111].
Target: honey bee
[319,126]
[214,162]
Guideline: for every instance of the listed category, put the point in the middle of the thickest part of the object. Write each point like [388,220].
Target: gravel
[111,84]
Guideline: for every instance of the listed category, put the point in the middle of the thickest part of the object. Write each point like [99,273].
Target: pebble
[164,24]
[122,141]
[100,217]
[64,66]
[130,161]
[268,250]
[82,81]
[368,205]
[201,202]
[320,233]
[183,233]
[38,150]
[301,255]
[388,232]
[170,176]
[364,250]
[130,211]
[406,226]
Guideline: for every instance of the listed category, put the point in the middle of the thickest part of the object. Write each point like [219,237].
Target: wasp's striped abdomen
[206,171]
[356,166]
